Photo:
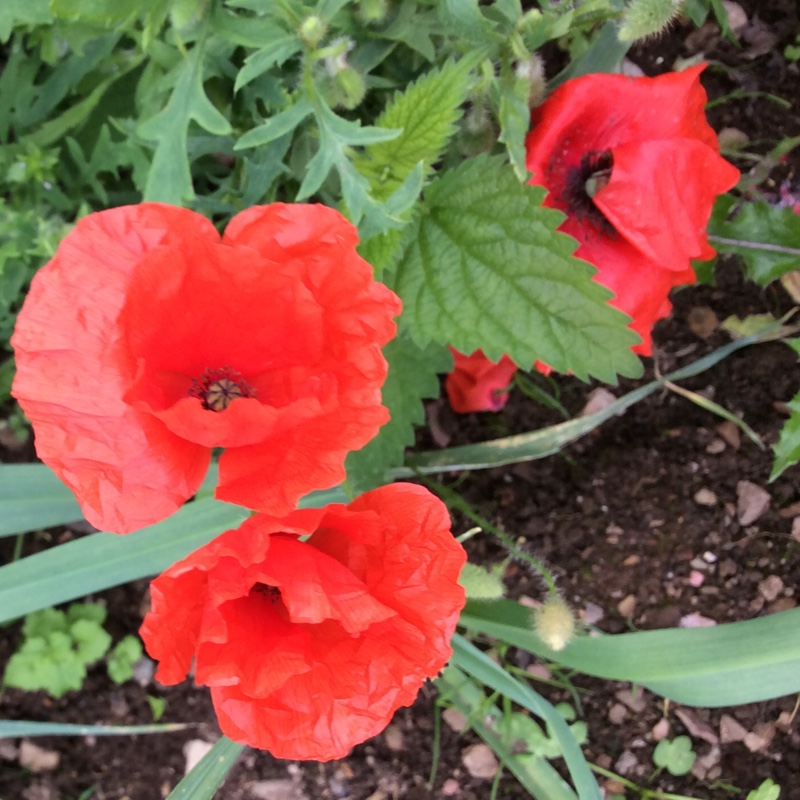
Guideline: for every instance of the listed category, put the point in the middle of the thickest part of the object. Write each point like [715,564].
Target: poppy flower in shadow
[479,384]
[313,629]
[636,167]
[148,340]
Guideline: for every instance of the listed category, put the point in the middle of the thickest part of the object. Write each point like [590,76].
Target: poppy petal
[125,468]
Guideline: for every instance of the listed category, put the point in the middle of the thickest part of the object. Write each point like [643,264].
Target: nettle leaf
[464,18]
[170,179]
[22,12]
[426,113]
[413,375]
[765,236]
[484,267]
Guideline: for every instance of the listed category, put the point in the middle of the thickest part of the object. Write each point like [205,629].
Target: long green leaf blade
[32,497]
[14,729]
[730,664]
[468,658]
[204,780]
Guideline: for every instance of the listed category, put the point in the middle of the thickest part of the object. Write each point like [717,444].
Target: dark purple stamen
[218,388]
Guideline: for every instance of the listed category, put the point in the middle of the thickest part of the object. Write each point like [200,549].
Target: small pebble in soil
[480,761]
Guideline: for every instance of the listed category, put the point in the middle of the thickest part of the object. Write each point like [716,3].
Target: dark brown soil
[615,516]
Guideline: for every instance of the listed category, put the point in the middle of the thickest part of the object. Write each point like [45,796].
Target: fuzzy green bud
[644,18]
[372,12]
[313,30]
[480,583]
[350,87]
[554,623]
[529,74]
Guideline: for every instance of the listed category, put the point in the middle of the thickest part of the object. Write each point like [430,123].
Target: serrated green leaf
[766,237]
[170,179]
[787,448]
[47,663]
[484,267]
[413,375]
[22,12]
[427,113]
[382,251]
[122,658]
[91,641]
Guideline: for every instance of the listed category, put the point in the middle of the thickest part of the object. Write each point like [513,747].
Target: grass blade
[203,781]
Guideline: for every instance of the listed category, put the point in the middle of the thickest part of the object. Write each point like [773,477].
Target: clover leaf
[675,755]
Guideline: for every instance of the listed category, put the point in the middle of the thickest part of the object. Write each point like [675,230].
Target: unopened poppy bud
[530,73]
[554,623]
[480,583]
[350,86]
[372,12]
[643,18]
[313,30]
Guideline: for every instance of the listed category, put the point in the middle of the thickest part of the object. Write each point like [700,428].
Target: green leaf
[170,178]
[122,658]
[42,623]
[203,780]
[484,267]
[604,55]
[768,790]
[515,120]
[382,251]
[413,375]
[92,612]
[464,19]
[22,12]
[787,448]
[532,771]
[274,51]
[277,126]
[477,664]
[675,754]
[48,664]
[426,113]
[705,667]
[14,729]
[95,562]
[91,641]
[102,12]
[765,236]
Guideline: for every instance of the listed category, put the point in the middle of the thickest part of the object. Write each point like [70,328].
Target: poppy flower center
[270,593]
[216,389]
[583,182]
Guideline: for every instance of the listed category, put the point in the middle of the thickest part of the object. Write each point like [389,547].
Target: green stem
[772,248]
[17,554]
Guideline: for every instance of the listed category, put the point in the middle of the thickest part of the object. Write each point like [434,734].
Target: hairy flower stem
[454,500]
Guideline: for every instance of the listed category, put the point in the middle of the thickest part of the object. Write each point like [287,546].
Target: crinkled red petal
[310,646]
[126,468]
[659,197]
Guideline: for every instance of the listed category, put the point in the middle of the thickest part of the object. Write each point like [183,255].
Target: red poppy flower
[309,646]
[636,167]
[479,384]
[149,339]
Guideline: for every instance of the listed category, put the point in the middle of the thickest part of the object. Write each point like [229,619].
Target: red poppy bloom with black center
[480,384]
[149,339]
[309,646]
[636,167]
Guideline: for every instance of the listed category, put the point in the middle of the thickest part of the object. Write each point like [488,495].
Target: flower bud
[554,623]
[530,73]
[350,87]
[372,12]
[480,583]
[313,30]
[643,18]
